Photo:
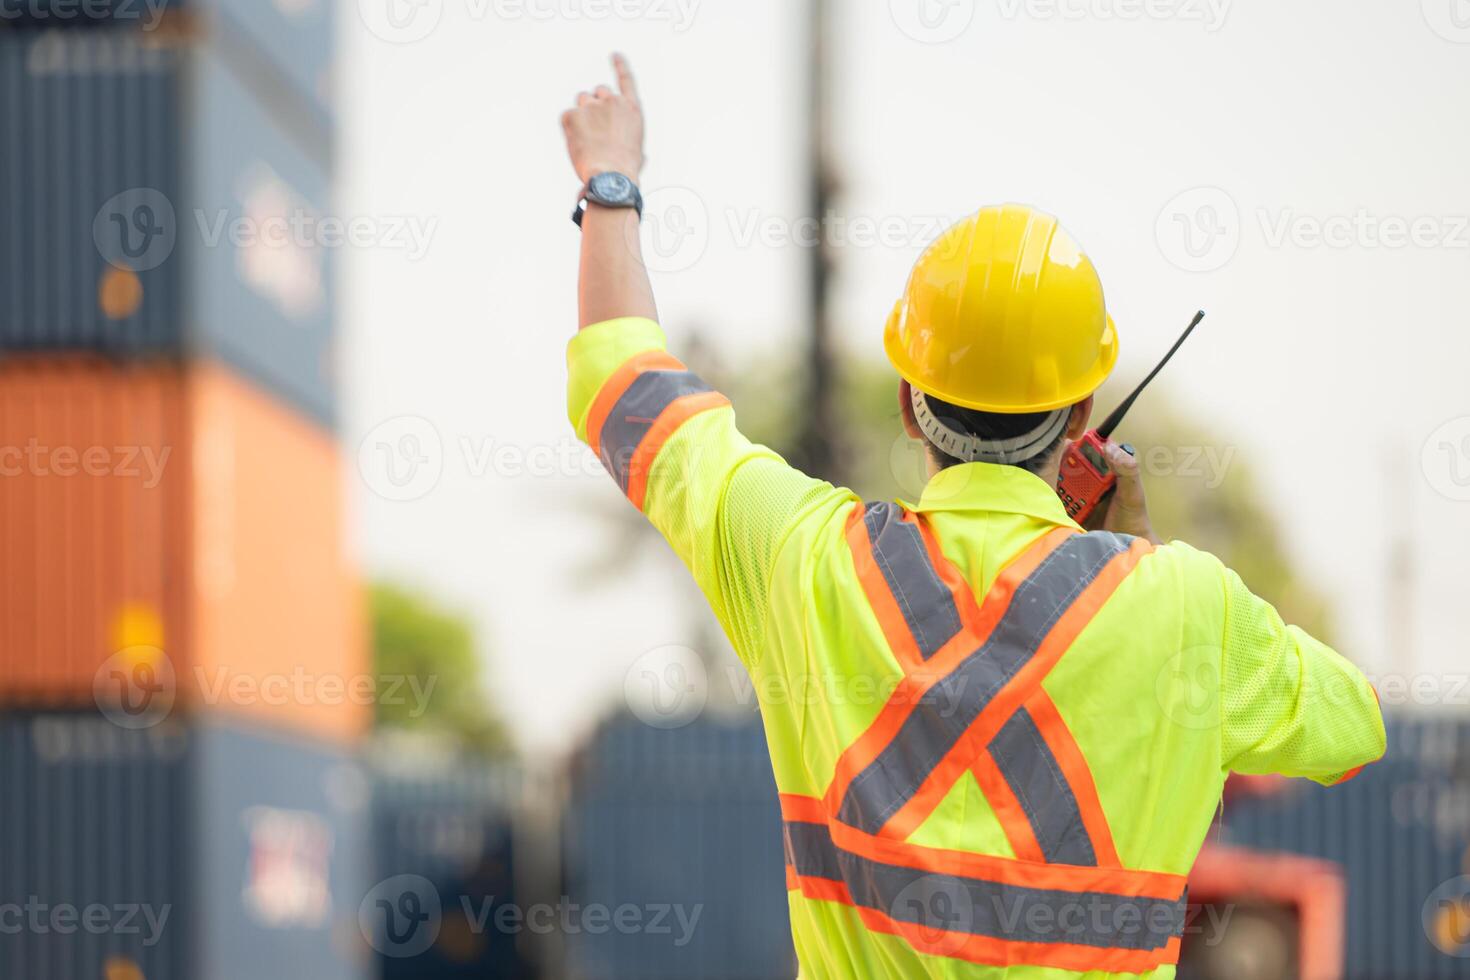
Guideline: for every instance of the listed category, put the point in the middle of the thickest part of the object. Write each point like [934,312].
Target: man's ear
[1081,415]
[906,407]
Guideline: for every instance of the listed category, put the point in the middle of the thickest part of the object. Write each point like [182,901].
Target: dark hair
[989,426]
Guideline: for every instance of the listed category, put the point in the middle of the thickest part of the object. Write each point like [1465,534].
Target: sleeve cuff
[595,354]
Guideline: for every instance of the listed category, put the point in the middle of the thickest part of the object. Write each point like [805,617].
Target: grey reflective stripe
[957,699]
[810,851]
[634,413]
[898,549]
[980,907]
[1031,771]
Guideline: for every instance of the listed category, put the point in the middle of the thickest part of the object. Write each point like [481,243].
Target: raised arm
[605,135]
[725,504]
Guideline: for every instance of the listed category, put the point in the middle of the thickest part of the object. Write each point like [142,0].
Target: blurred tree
[429,679]
[1199,489]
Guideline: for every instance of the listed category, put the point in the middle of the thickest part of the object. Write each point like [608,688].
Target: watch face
[612,187]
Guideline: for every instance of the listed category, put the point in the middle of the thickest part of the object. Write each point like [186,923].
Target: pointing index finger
[626,85]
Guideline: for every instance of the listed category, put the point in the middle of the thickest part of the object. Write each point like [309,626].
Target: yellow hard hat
[1004,313]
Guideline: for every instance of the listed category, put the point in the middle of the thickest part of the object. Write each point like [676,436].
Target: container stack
[183,675]
[684,827]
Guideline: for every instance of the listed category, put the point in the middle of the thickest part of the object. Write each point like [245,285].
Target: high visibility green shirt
[1179,678]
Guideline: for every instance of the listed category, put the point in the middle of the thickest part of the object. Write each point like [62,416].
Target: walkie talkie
[1086,478]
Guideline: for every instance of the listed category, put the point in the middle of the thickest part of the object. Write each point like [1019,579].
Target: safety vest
[948,825]
[971,699]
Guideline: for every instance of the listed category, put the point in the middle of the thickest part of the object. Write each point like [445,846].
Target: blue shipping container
[454,830]
[683,826]
[177,852]
[292,38]
[154,206]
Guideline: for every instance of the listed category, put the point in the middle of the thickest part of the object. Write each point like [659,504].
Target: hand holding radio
[1092,466]
[1123,509]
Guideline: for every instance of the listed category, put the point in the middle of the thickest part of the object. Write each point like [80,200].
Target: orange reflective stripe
[913,687]
[880,597]
[988,867]
[667,423]
[615,387]
[1000,952]
[1008,810]
[1079,778]
[1135,945]
[1011,697]
[950,575]
[803,809]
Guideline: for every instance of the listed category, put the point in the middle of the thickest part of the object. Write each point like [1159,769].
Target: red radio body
[1085,477]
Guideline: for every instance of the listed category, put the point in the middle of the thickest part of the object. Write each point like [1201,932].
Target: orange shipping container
[172,539]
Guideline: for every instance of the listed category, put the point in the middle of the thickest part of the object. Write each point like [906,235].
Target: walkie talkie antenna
[1106,429]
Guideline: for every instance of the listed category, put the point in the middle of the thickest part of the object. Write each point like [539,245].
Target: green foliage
[1199,488]
[428,673]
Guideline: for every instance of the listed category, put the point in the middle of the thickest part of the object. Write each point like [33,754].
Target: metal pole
[818,442]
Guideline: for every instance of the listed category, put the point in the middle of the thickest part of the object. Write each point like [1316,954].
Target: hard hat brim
[1083,386]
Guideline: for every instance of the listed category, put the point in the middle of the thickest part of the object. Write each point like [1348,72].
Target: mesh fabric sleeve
[725,504]
[1291,705]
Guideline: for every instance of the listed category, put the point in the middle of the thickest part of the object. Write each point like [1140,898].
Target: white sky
[1318,362]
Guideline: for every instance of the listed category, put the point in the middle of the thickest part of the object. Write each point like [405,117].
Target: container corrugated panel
[282,856]
[155,205]
[209,526]
[454,828]
[291,37]
[1400,830]
[82,545]
[93,816]
[686,820]
[199,851]
[84,117]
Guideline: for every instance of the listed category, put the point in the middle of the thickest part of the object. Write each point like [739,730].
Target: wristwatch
[611,190]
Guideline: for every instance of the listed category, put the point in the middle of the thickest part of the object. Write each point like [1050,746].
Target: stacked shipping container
[453,827]
[183,681]
[683,826]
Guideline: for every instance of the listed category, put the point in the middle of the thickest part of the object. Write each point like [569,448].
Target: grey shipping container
[154,206]
[292,39]
[1401,832]
[685,827]
[455,829]
[176,852]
